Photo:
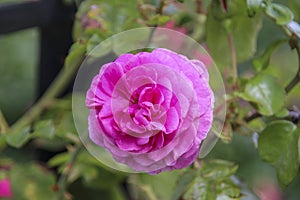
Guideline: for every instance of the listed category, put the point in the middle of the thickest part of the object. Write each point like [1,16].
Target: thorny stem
[63,179]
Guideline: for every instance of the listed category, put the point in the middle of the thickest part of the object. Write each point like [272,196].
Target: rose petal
[113,72]
[172,120]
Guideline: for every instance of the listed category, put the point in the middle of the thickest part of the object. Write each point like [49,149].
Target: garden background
[253,42]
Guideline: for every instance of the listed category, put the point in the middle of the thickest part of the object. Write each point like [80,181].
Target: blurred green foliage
[18,69]
[266,148]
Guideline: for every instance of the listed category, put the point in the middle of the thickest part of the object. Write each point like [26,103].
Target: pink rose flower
[151,110]
[5,188]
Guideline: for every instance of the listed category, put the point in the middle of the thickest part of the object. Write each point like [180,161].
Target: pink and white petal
[172,120]
[95,132]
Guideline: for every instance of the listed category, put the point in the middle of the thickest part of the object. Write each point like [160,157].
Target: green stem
[148,191]
[63,179]
[288,88]
[3,124]
[161,6]
[233,59]
[294,45]
[55,89]
[159,11]
[252,117]
[150,37]
[296,78]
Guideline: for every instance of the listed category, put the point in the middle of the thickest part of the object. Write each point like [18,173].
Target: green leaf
[75,55]
[59,159]
[160,186]
[158,20]
[101,17]
[263,61]
[97,47]
[218,169]
[228,189]
[280,13]
[65,126]
[278,145]
[19,137]
[200,189]
[294,5]
[266,94]
[2,141]
[236,23]
[57,126]
[95,177]
[89,169]
[93,174]
[257,124]
[183,183]
[18,62]
[32,181]
[282,113]
[213,181]
[93,42]
[254,6]
[44,129]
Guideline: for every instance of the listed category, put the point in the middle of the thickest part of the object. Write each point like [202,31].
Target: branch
[294,45]
[252,117]
[62,182]
[55,89]
[150,37]
[159,11]
[291,85]
[160,7]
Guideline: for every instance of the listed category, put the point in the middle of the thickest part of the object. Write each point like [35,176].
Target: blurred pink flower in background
[5,188]
[93,19]
[172,25]
[268,190]
[151,111]
[204,57]
[166,37]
